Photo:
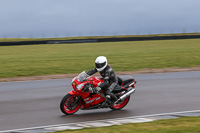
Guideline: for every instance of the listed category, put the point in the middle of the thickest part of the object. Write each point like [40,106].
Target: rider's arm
[106,80]
[105,83]
[91,72]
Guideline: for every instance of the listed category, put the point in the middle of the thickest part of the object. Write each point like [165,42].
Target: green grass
[49,59]
[179,125]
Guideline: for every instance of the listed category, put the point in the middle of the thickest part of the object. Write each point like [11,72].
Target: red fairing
[74,93]
[92,100]
[78,86]
[89,98]
[95,81]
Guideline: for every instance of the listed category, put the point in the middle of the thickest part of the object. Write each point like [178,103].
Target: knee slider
[108,96]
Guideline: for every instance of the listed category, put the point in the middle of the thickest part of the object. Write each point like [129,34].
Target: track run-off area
[27,104]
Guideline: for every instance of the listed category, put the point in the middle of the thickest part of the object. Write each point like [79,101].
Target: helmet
[101,63]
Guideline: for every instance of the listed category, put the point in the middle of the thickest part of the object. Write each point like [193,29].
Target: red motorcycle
[83,98]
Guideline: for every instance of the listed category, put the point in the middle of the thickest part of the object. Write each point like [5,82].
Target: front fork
[74,93]
[75,102]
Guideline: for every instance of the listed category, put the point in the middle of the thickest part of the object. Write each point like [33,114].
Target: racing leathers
[109,83]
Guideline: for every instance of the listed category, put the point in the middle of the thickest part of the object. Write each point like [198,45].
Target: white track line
[32,128]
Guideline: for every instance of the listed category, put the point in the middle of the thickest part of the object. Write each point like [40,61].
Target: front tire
[67,105]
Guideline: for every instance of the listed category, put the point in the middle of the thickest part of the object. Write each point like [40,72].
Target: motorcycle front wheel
[68,105]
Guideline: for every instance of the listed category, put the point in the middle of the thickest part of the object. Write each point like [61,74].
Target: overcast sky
[56,18]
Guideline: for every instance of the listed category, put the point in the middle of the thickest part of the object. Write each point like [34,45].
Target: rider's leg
[107,94]
[110,97]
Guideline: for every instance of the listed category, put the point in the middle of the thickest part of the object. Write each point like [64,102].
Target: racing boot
[107,102]
[111,99]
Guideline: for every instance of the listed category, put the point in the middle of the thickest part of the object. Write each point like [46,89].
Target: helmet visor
[100,65]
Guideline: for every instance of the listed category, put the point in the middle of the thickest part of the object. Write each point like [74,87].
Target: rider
[110,79]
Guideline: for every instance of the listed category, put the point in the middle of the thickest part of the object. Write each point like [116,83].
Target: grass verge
[18,61]
[179,125]
[90,37]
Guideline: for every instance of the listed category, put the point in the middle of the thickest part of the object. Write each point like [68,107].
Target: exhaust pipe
[131,91]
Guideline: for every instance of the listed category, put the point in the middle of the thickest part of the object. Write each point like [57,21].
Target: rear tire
[67,105]
[121,105]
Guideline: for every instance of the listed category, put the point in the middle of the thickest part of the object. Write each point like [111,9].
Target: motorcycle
[83,96]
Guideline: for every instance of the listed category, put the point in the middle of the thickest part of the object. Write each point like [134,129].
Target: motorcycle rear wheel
[67,105]
[121,104]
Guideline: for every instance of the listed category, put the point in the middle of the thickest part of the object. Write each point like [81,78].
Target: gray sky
[56,18]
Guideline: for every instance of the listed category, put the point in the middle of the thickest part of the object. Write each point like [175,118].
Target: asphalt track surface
[36,103]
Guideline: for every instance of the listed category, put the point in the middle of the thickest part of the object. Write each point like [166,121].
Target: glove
[94,90]
[90,89]
[98,88]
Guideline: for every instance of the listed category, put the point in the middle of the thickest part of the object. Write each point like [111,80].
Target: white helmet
[101,63]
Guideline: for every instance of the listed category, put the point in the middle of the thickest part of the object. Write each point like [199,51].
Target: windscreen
[82,76]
